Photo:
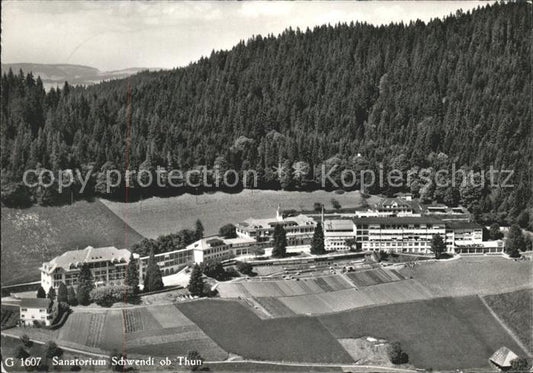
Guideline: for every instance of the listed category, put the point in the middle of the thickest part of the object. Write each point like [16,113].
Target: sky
[113,35]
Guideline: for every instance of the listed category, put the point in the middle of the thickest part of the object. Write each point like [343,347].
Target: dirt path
[344,367]
[509,331]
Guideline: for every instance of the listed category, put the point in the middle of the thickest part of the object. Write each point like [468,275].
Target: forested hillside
[456,90]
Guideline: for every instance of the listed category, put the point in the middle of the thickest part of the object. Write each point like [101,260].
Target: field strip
[362,368]
[348,280]
[509,331]
[70,349]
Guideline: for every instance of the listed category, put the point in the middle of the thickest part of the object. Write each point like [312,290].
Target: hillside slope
[451,92]
[37,234]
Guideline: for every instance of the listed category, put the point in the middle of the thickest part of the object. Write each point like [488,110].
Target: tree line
[453,91]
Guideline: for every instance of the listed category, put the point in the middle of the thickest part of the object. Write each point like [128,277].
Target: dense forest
[452,92]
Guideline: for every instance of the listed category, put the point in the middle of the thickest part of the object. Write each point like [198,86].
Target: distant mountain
[54,75]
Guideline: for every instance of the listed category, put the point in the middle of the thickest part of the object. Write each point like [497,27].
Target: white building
[486,247]
[397,207]
[336,232]
[169,262]
[219,248]
[107,264]
[398,234]
[299,229]
[461,233]
[409,234]
[36,311]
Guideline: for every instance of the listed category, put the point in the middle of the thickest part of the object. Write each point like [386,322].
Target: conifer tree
[132,275]
[62,293]
[515,241]
[279,249]
[72,299]
[85,285]
[196,282]
[41,293]
[437,245]
[153,280]
[317,245]
[199,229]
[51,293]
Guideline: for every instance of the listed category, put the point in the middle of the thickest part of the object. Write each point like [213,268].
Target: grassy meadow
[37,234]
[238,330]
[442,334]
[156,216]
[515,309]
[472,275]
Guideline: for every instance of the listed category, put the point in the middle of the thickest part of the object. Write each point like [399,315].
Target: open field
[9,346]
[373,277]
[156,216]
[472,275]
[157,331]
[283,288]
[445,333]
[10,316]
[335,293]
[37,234]
[275,307]
[328,294]
[248,367]
[516,311]
[238,330]
[336,301]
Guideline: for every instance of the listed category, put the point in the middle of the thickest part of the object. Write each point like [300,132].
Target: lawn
[443,334]
[10,316]
[157,331]
[268,368]
[373,277]
[156,216]
[9,346]
[472,275]
[37,234]
[238,330]
[283,288]
[516,311]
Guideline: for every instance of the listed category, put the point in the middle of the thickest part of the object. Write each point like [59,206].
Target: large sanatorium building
[108,264]
[394,225]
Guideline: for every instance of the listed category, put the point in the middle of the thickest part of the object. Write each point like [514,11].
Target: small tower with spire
[279,215]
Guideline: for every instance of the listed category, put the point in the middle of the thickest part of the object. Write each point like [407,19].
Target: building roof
[462,225]
[239,240]
[393,202]
[214,241]
[432,208]
[252,223]
[88,255]
[397,220]
[338,224]
[503,357]
[35,302]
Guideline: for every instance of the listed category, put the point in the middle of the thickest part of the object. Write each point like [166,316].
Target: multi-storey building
[299,229]
[410,234]
[219,248]
[396,207]
[169,262]
[36,311]
[461,233]
[447,213]
[107,265]
[336,232]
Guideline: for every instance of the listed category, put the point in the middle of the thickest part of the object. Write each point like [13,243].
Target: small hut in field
[502,358]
